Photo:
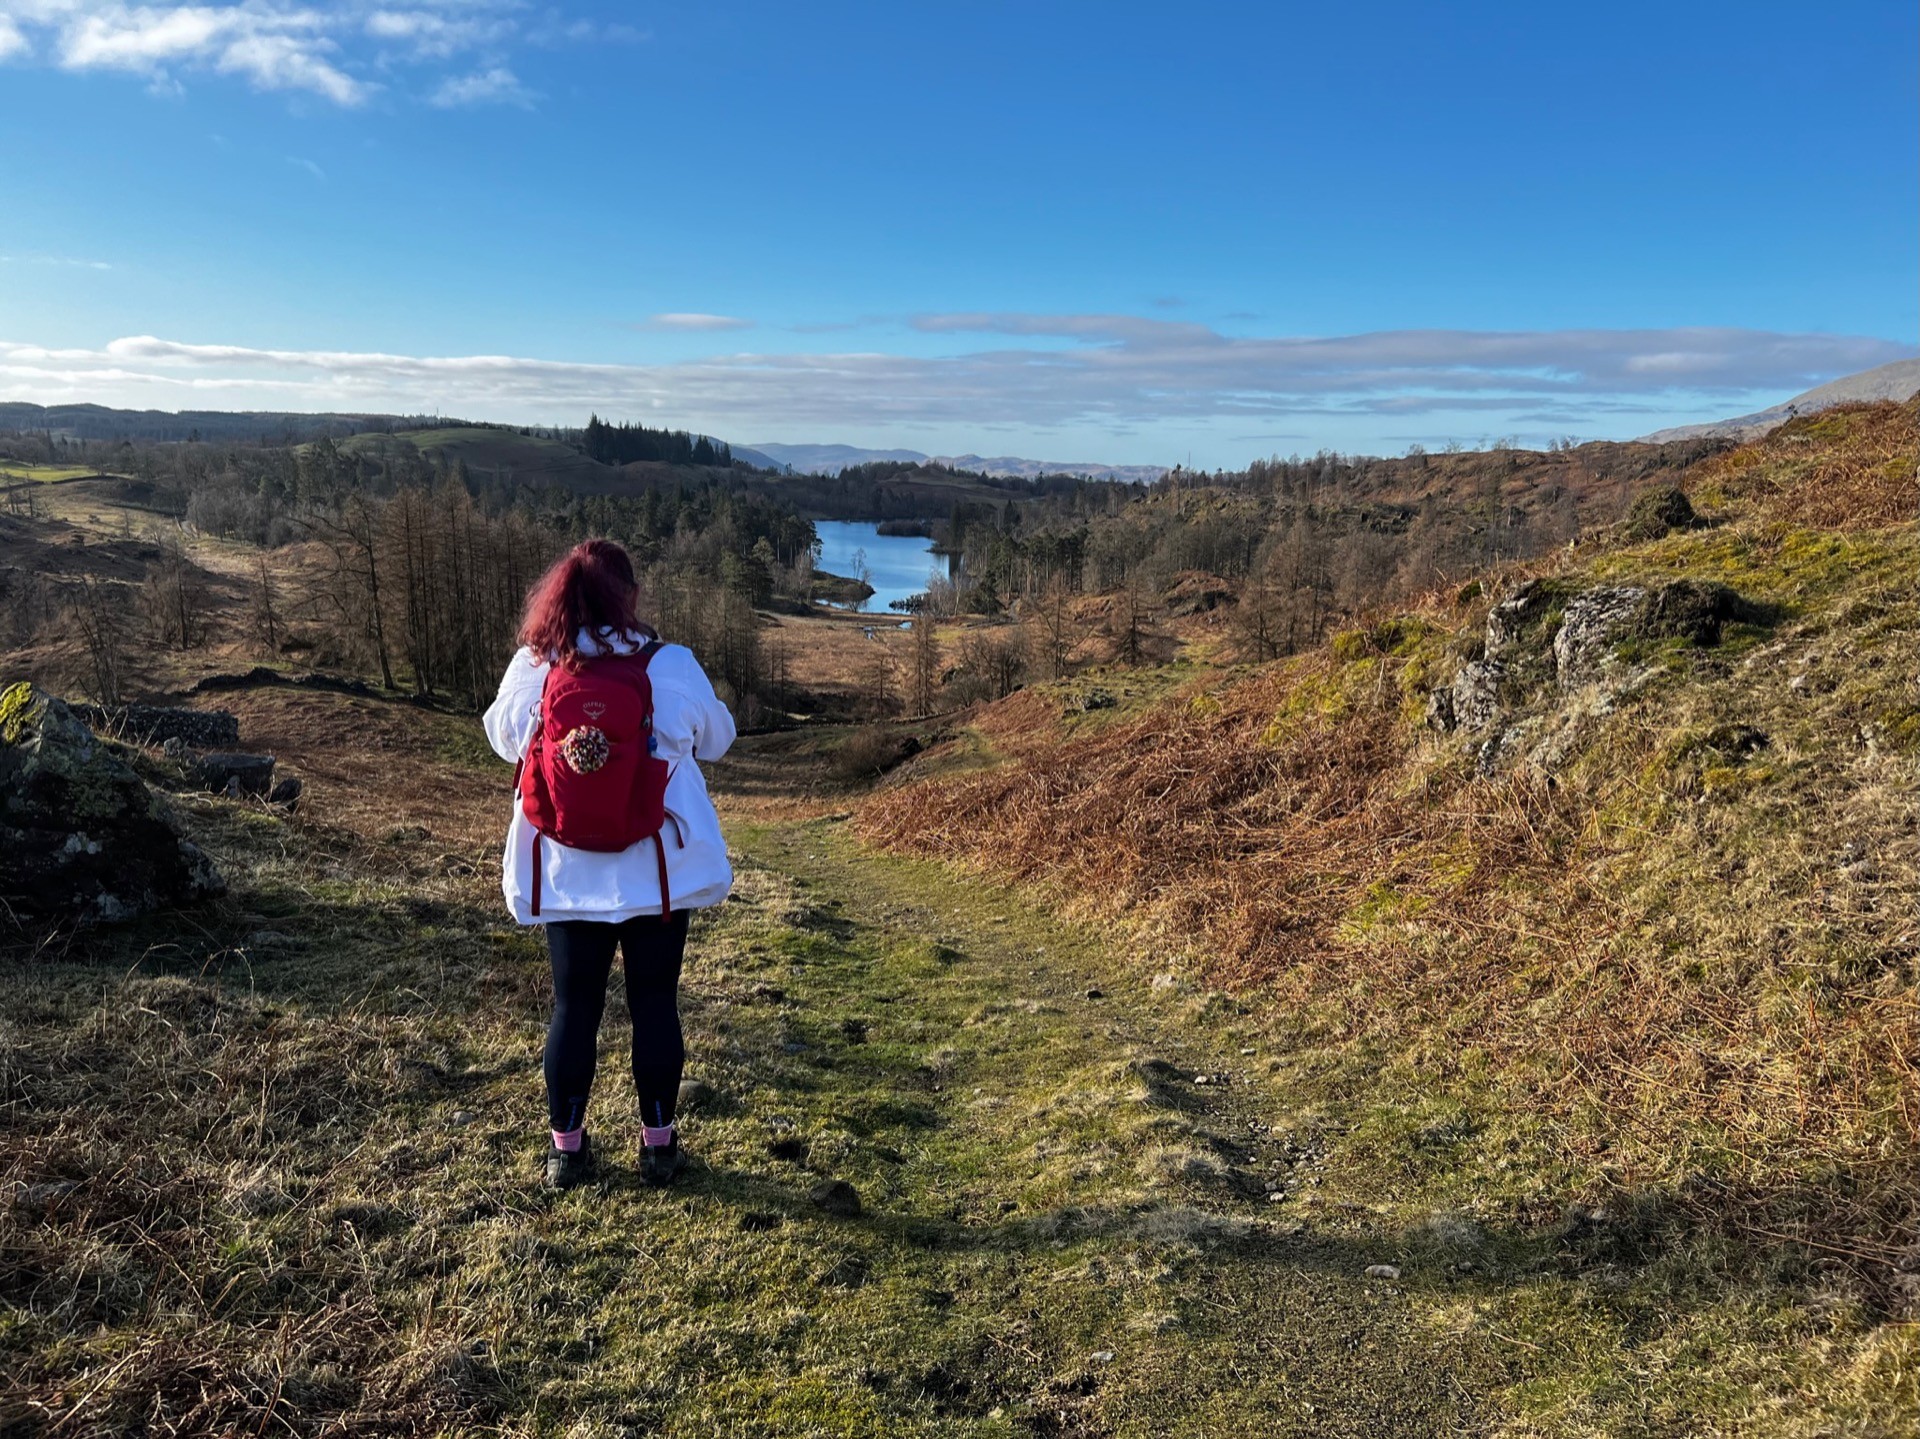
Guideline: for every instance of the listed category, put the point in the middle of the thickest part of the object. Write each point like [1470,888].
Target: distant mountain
[759,459]
[831,459]
[101,422]
[1013,467]
[1898,381]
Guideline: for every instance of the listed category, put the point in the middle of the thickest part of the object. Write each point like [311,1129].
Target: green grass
[304,1131]
[12,472]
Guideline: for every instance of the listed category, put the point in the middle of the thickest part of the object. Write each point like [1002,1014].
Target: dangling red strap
[536,871]
[666,901]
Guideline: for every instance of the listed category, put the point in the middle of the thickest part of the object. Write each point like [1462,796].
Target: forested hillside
[376,554]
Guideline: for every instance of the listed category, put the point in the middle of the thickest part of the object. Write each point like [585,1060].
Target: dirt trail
[302,1139]
[1115,1158]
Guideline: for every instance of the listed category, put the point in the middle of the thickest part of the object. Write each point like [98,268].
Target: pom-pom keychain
[584,749]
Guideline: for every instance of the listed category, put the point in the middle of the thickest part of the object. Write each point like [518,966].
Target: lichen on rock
[83,837]
[1588,631]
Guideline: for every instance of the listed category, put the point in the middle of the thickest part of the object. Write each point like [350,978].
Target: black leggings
[582,953]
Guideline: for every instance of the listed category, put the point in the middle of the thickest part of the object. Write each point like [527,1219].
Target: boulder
[83,837]
[237,774]
[1475,695]
[1656,512]
[1508,621]
[1593,622]
[1598,620]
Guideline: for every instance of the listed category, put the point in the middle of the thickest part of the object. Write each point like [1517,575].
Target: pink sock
[568,1140]
[657,1138]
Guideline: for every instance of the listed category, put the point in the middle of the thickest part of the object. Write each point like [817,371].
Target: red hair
[591,587]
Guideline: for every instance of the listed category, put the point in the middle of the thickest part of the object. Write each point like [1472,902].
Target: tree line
[407,569]
[631,444]
[1287,549]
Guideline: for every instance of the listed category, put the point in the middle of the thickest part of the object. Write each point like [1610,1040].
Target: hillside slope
[1603,869]
[1899,382]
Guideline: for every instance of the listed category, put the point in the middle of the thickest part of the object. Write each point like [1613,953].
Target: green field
[13,472]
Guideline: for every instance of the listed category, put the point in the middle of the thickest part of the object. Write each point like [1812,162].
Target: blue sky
[1109,232]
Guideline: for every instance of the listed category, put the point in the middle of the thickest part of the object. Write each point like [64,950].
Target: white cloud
[1598,381]
[65,261]
[273,47]
[433,34]
[497,86]
[282,62]
[310,166]
[338,50]
[689,320]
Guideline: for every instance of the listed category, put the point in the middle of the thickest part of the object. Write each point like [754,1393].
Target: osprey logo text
[594,709]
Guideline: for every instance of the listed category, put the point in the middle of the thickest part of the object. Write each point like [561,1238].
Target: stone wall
[156,724]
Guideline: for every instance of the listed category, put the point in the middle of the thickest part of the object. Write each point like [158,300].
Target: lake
[897,565]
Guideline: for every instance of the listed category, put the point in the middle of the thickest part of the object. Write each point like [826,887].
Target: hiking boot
[660,1164]
[566,1168]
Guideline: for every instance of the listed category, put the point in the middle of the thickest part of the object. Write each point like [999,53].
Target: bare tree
[266,616]
[353,538]
[877,682]
[994,663]
[1052,629]
[97,614]
[862,575]
[176,597]
[926,663]
[1132,620]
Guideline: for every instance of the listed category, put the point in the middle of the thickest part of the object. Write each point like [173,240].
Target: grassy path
[277,1173]
[1062,1232]
[272,1169]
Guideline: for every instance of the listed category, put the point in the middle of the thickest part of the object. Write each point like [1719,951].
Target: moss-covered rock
[1655,513]
[1692,610]
[83,837]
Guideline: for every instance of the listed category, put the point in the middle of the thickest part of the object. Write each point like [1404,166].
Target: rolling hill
[1899,381]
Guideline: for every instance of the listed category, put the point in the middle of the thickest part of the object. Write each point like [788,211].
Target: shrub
[1656,512]
[870,752]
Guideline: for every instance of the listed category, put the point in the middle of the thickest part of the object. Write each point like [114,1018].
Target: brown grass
[1851,467]
[1662,957]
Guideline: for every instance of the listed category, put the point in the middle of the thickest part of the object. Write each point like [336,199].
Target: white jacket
[691,725]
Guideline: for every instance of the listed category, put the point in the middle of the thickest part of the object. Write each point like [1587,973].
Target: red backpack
[590,779]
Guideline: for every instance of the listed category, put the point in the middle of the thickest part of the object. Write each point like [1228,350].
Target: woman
[583,610]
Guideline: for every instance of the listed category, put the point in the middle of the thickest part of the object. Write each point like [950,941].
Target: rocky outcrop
[1548,637]
[1588,631]
[156,724]
[1474,698]
[1509,621]
[260,676]
[82,838]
